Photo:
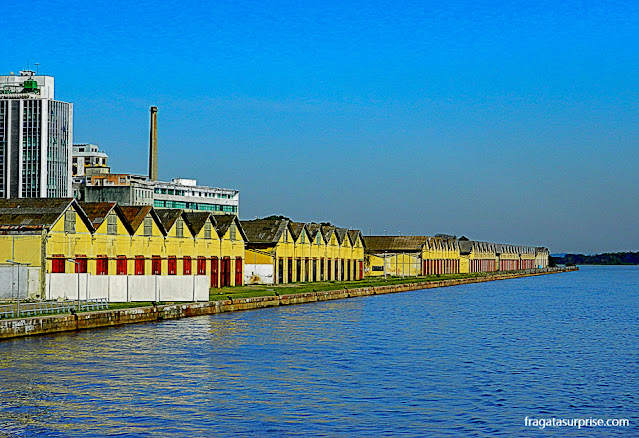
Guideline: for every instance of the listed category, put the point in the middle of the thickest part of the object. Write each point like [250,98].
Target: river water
[470,360]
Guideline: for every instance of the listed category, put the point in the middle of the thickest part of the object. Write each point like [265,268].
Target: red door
[225,274]
[238,271]
[214,270]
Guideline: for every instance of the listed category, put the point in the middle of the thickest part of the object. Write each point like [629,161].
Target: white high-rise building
[36,138]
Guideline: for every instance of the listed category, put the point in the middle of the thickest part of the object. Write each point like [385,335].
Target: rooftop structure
[187,195]
[27,85]
[128,189]
[87,155]
[36,134]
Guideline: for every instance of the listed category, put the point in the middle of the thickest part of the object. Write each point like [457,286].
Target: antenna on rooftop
[37,64]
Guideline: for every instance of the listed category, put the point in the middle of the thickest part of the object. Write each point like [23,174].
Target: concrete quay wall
[40,325]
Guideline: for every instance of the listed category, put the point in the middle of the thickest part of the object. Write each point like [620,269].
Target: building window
[139,265]
[186,269]
[69,221]
[102,265]
[207,230]
[303,237]
[112,224]
[148,226]
[232,231]
[156,265]
[179,228]
[318,239]
[172,268]
[121,268]
[201,265]
[81,264]
[57,264]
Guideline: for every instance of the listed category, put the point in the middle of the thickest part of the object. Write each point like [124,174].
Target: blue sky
[505,121]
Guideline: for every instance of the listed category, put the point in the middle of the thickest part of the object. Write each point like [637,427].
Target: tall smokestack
[153,145]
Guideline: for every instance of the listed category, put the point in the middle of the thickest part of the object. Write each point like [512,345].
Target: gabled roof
[135,215]
[313,229]
[168,216]
[327,231]
[341,234]
[465,246]
[195,220]
[353,234]
[36,213]
[224,221]
[442,243]
[394,243]
[264,230]
[98,211]
[296,229]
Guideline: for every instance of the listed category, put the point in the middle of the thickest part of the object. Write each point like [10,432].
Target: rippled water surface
[471,360]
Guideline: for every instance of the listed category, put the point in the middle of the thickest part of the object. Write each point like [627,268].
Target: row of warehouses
[49,240]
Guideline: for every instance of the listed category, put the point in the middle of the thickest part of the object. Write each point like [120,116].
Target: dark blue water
[471,360]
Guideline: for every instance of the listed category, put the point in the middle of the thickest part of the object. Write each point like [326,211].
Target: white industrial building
[186,194]
[127,189]
[36,134]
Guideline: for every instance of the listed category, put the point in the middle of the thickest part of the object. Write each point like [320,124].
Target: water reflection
[471,360]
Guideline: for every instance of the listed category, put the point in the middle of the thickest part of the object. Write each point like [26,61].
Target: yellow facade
[508,258]
[112,245]
[147,240]
[231,248]
[64,244]
[317,249]
[302,252]
[374,265]
[258,257]
[442,256]
[358,255]
[480,258]
[331,256]
[24,249]
[106,239]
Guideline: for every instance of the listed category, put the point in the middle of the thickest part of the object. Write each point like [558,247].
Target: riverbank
[48,324]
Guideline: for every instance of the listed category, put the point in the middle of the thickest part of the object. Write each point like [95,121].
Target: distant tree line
[609,258]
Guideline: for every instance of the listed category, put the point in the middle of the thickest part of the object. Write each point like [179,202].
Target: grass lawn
[261,290]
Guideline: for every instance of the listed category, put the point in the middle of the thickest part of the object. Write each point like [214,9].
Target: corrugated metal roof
[196,220]
[135,214]
[313,229]
[168,216]
[296,228]
[327,231]
[40,204]
[394,243]
[33,213]
[97,211]
[465,246]
[224,221]
[264,230]
[353,234]
[341,234]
